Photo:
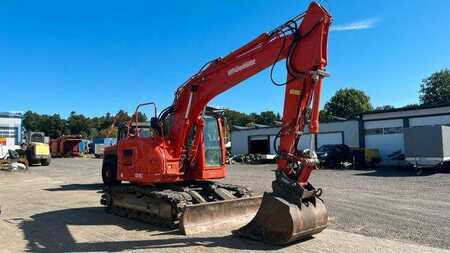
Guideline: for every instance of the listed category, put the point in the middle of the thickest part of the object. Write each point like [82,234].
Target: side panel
[424,142]
[141,160]
[446,141]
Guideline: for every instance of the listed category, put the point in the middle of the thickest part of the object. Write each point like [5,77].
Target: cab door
[213,142]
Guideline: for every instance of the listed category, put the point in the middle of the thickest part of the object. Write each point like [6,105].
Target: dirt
[57,209]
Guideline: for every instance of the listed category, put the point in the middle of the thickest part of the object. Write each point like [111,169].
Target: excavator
[166,172]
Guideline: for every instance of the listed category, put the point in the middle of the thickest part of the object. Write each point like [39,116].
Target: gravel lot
[56,209]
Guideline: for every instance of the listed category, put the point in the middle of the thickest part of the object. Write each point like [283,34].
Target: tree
[56,126]
[52,126]
[78,124]
[348,103]
[435,89]
[236,118]
[325,116]
[384,108]
[411,106]
[31,121]
[268,118]
[242,119]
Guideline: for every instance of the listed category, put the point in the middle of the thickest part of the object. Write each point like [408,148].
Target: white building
[382,130]
[260,139]
[10,131]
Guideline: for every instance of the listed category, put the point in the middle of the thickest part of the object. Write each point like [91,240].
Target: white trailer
[427,146]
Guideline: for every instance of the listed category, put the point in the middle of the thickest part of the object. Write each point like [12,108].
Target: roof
[419,107]
[10,115]
[421,111]
[255,126]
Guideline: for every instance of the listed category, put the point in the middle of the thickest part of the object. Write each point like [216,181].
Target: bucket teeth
[280,222]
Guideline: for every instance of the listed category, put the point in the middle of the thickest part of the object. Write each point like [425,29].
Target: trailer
[427,146]
[65,146]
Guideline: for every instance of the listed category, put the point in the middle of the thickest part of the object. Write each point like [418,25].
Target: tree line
[54,125]
[347,103]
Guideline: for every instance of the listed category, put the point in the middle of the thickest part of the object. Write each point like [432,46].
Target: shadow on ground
[49,232]
[77,187]
[403,172]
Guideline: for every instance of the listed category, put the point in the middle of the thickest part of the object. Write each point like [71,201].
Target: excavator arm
[302,41]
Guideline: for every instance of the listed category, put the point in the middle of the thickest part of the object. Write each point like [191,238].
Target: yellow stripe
[294,92]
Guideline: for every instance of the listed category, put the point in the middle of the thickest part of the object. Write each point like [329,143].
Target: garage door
[259,145]
[329,138]
[385,135]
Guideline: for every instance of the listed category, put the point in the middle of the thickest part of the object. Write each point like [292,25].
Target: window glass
[37,138]
[374,131]
[213,152]
[393,130]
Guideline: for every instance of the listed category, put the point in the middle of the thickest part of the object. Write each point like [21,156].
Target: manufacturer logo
[241,67]
[138,175]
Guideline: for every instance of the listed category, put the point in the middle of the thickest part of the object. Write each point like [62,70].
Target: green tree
[53,126]
[325,116]
[269,118]
[242,119]
[348,103]
[384,108]
[236,118]
[56,126]
[435,89]
[411,106]
[31,121]
[78,124]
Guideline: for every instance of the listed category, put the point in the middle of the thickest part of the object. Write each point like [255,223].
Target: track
[164,205]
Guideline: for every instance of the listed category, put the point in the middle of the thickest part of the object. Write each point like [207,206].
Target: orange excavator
[164,172]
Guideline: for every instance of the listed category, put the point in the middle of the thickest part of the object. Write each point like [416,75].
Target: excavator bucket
[220,215]
[280,222]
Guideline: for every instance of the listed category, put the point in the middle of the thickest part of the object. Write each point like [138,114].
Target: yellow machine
[366,157]
[37,149]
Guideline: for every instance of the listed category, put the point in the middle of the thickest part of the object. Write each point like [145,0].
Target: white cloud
[359,25]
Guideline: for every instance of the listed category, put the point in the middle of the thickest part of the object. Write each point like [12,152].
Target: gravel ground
[56,209]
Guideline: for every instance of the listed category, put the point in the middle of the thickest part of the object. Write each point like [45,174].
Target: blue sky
[97,56]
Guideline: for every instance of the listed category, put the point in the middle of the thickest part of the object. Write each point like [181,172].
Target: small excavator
[166,172]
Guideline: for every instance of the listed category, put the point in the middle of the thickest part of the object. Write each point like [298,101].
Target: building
[260,138]
[10,128]
[10,131]
[382,130]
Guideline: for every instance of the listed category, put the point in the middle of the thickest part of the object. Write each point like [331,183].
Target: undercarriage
[191,206]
